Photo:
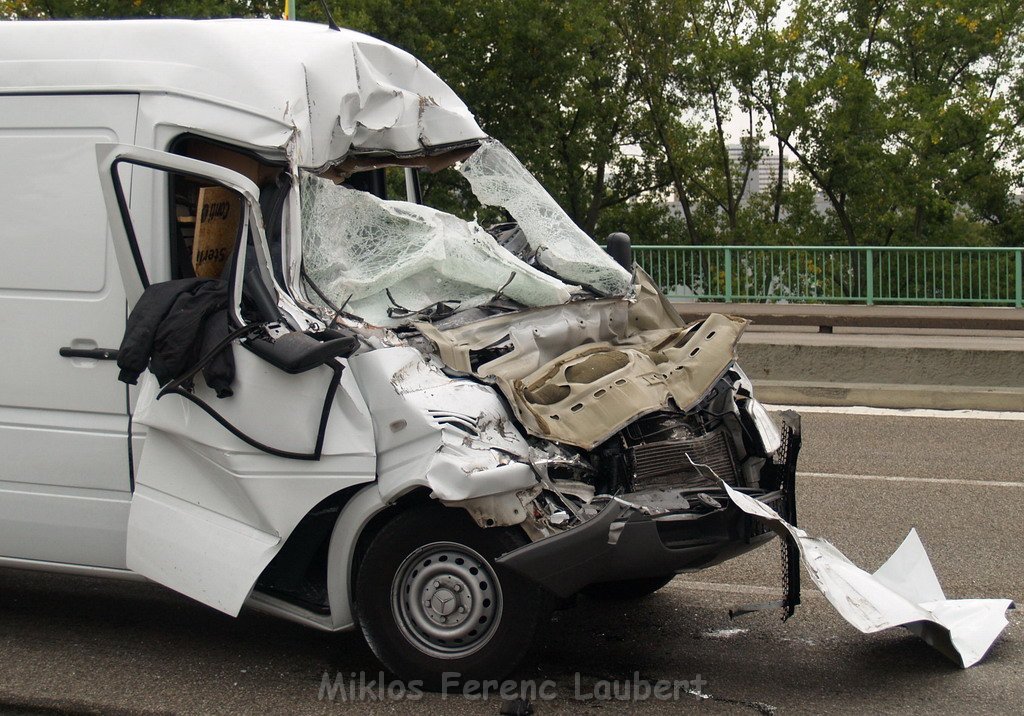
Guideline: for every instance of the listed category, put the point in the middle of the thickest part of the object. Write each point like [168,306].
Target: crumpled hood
[580,372]
[378,99]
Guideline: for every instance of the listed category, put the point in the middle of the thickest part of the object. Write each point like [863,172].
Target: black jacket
[170,329]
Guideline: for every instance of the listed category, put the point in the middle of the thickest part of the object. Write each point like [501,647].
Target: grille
[664,464]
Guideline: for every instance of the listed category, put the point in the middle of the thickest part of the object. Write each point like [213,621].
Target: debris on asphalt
[724,633]
[902,592]
[516,707]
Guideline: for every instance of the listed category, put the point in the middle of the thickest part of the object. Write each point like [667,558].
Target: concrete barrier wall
[891,370]
[837,315]
[879,371]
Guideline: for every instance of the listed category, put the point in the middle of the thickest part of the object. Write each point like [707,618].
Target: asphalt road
[81,644]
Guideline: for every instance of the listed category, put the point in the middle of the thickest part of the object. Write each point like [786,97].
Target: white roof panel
[340,91]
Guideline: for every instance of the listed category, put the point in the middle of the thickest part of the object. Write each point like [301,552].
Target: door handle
[94,353]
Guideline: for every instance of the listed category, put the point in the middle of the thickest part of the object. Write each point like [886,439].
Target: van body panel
[64,524]
[209,510]
[197,552]
[421,416]
[64,481]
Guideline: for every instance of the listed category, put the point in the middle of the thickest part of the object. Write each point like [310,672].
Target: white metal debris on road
[902,592]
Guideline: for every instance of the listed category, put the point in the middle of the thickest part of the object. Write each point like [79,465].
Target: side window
[197,232]
[214,225]
[191,208]
[202,217]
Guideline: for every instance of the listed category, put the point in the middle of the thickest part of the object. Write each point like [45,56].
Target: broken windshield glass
[393,260]
[499,179]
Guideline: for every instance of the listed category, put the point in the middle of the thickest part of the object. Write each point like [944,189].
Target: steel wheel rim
[446,600]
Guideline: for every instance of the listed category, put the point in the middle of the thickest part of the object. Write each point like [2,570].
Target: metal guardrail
[868,275]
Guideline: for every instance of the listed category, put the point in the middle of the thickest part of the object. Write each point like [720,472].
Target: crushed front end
[677,518]
[620,423]
[634,421]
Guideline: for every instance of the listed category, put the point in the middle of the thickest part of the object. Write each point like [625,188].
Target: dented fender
[451,435]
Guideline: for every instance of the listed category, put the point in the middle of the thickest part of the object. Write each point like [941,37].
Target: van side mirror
[619,248]
[296,352]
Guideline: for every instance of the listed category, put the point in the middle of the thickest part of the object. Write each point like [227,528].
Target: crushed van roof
[337,91]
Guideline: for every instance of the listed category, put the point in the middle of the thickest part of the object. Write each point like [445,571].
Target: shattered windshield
[389,261]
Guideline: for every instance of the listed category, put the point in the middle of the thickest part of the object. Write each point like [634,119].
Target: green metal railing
[835,274]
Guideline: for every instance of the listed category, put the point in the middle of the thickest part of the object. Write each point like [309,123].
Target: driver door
[222,482]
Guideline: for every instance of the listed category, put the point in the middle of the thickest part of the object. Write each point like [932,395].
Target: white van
[426,428]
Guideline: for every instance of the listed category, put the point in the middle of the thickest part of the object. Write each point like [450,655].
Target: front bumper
[623,541]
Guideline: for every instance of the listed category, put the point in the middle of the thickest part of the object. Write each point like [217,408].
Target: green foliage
[906,117]
[903,114]
[645,220]
[67,9]
[800,224]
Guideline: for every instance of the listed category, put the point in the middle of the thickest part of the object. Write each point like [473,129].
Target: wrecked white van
[424,427]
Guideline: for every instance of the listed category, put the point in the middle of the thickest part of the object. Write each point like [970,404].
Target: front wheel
[431,601]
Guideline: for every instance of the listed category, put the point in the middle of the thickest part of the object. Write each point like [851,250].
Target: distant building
[822,204]
[763,175]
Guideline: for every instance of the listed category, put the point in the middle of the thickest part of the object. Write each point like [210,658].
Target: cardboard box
[218,217]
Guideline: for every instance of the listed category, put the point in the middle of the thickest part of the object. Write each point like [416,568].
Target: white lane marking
[729,588]
[903,412]
[725,587]
[896,478]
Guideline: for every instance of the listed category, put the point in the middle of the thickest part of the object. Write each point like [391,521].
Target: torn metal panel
[580,372]
[515,344]
[499,179]
[589,393]
[195,551]
[902,592]
[525,340]
[387,258]
[373,97]
[210,511]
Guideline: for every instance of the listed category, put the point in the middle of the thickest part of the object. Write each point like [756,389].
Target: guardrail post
[728,275]
[870,298]
[1018,295]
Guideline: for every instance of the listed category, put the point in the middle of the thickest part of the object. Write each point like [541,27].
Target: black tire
[627,589]
[405,559]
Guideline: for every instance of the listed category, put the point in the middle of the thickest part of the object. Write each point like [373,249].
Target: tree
[685,56]
[67,9]
[954,115]
[763,71]
[900,111]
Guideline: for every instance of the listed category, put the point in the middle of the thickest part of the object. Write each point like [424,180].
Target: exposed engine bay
[617,407]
